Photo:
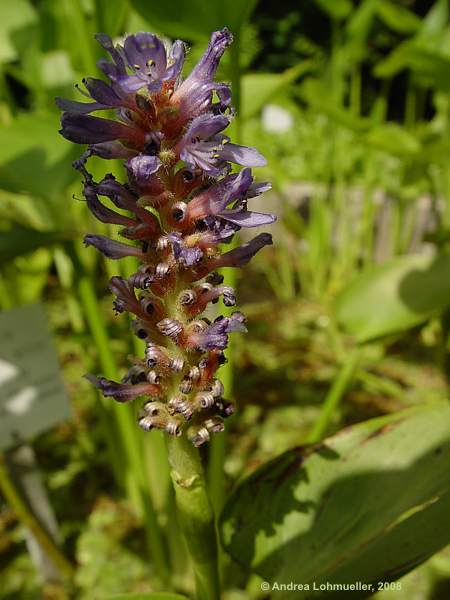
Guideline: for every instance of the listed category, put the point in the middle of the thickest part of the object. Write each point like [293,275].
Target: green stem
[27,518]
[334,396]
[196,516]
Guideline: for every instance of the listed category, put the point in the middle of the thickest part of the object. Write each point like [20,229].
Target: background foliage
[348,314]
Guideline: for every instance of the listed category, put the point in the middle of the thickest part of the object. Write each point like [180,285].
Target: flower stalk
[182,202]
[196,515]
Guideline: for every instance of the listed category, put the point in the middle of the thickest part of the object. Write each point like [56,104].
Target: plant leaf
[398,17]
[19,240]
[395,296]
[18,16]
[111,15]
[195,19]
[367,505]
[259,88]
[34,158]
[392,138]
[336,9]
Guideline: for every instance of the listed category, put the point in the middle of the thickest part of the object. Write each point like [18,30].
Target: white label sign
[32,395]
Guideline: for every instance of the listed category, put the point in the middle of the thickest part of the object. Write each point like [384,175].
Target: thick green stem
[196,515]
[27,518]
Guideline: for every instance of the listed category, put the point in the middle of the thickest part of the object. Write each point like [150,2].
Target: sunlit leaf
[259,88]
[395,296]
[392,138]
[34,158]
[434,22]
[16,18]
[366,505]
[398,17]
[317,95]
[336,9]
[358,27]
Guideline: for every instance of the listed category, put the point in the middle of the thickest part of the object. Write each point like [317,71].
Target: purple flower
[111,248]
[242,254]
[84,129]
[184,255]
[99,210]
[194,95]
[214,200]
[105,96]
[141,62]
[123,392]
[141,168]
[202,146]
[215,336]
[182,201]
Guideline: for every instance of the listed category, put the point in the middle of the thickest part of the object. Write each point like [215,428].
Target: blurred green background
[349,100]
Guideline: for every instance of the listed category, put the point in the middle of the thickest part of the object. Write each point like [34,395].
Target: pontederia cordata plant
[184,202]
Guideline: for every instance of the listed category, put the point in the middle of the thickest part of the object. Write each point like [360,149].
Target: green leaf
[398,17]
[395,296]
[392,138]
[34,158]
[431,67]
[259,88]
[16,17]
[358,28]
[317,95]
[111,15]
[397,60]
[19,240]
[434,23]
[146,596]
[336,9]
[366,505]
[194,19]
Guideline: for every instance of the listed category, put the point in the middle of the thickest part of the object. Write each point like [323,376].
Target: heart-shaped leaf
[366,505]
[395,296]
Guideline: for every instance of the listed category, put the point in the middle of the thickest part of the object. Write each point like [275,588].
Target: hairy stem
[196,515]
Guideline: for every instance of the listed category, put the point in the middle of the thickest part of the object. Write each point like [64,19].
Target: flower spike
[183,199]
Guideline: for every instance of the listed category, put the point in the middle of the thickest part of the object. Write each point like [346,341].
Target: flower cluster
[180,204]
